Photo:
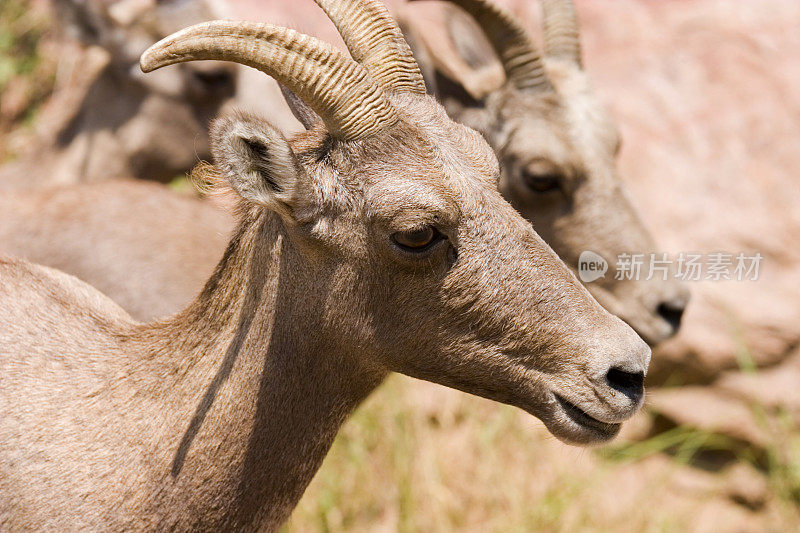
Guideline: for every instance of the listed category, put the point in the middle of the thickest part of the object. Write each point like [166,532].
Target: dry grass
[417,457]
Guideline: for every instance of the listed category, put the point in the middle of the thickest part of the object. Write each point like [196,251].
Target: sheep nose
[671,313]
[631,384]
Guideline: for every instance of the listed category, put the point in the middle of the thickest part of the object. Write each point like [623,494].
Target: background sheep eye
[416,240]
[542,182]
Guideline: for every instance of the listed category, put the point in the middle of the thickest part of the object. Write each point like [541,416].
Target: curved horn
[376,42]
[347,100]
[521,61]
[561,36]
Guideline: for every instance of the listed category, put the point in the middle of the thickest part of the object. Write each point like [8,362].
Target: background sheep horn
[520,58]
[561,35]
[376,42]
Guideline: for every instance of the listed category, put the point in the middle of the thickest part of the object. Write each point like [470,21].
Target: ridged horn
[521,61]
[348,101]
[376,42]
[561,35]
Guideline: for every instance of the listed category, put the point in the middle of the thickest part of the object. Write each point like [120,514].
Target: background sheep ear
[126,12]
[424,60]
[299,108]
[84,20]
[257,161]
[465,63]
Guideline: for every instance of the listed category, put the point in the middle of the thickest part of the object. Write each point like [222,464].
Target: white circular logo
[591,266]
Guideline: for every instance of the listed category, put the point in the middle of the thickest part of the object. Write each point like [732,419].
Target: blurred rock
[710,410]
[17,98]
[723,516]
[744,485]
[773,389]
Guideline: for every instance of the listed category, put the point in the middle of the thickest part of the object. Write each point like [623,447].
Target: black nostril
[629,384]
[671,313]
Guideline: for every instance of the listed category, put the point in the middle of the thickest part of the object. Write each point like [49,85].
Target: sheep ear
[100,22]
[257,161]
[299,108]
[86,22]
[462,56]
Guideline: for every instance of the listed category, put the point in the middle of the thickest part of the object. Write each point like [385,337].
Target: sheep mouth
[603,430]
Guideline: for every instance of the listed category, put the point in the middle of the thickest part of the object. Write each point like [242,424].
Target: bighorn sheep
[110,121]
[556,144]
[375,242]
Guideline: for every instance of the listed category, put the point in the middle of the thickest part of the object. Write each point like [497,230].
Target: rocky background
[707,95]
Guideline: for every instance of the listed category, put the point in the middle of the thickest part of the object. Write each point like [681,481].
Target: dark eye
[417,240]
[542,182]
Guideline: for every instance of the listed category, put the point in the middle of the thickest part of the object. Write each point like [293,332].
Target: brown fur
[217,418]
[146,247]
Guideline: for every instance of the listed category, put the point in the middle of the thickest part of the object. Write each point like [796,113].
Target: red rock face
[707,95]
[708,99]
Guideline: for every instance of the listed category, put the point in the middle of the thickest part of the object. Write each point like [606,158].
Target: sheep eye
[416,240]
[542,182]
